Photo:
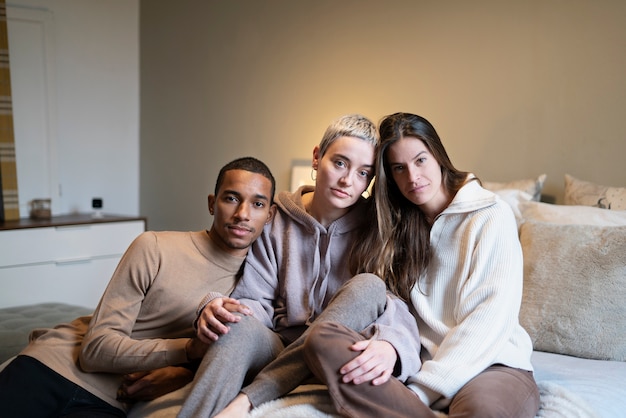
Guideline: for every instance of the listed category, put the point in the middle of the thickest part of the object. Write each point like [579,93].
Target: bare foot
[237,408]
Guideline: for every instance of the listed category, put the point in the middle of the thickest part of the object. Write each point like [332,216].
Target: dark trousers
[28,388]
[498,391]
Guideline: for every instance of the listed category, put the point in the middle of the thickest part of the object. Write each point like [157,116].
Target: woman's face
[343,172]
[417,174]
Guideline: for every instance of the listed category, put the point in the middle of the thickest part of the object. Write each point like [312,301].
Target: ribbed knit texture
[470,296]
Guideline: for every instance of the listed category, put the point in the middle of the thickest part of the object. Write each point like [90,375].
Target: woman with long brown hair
[450,249]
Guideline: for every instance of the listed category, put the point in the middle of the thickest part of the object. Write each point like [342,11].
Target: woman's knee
[369,281]
[497,392]
[249,332]
[246,325]
[248,342]
[330,341]
[316,341]
[368,287]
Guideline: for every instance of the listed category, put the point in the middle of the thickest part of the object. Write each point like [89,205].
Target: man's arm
[108,345]
[148,385]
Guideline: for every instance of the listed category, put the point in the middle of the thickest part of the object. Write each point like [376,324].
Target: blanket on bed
[556,401]
[570,387]
[313,401]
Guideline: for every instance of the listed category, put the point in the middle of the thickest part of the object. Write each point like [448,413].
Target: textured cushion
[17,322]
[563,214]
[531,186]
[514,197]
[580,192]
[574,289]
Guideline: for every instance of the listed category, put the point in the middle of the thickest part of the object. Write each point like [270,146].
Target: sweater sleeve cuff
[177,353]
[428,396]
[205,301]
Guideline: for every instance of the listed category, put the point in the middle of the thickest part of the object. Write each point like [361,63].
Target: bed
[573,307]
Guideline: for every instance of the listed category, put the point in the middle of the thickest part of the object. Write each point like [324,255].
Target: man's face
[240,210]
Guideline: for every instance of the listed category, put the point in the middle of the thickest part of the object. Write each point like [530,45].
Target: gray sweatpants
[250,348]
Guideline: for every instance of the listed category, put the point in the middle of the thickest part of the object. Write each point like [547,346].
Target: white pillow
[574,289]
[580,192]
[563,214]
[514,197]
[531,186]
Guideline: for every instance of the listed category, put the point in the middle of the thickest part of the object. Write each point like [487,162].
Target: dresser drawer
[79,283]
[63,244]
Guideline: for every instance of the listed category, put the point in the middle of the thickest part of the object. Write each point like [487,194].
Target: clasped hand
[214,318]
[375,363]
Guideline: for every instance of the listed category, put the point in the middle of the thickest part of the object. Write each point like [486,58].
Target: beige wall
[514,88]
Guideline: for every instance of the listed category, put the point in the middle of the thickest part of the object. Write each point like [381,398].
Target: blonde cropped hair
[353,125]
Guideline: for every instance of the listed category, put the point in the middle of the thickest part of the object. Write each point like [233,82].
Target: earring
[313,174]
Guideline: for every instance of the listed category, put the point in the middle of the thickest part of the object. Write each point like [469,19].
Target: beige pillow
[531,186]
[563,214]
[574,289]
[580,192]
[514,197]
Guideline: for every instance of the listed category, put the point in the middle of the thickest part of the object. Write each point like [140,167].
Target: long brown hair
[397,246]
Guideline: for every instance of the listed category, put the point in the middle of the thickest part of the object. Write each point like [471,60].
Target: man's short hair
[250,164]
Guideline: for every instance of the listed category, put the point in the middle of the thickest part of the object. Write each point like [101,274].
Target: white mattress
[570,387]
[587,388]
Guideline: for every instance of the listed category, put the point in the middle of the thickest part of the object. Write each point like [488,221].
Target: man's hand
[145,386]
[375,363]
[214,317]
